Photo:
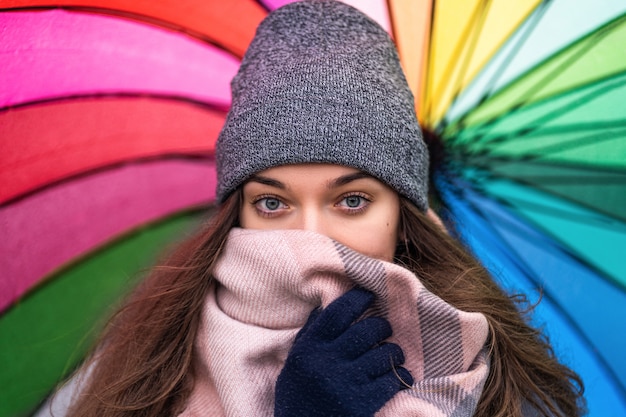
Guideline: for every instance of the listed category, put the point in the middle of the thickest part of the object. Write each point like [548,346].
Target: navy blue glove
[337,367]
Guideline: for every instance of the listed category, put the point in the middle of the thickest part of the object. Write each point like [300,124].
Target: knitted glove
[337,367]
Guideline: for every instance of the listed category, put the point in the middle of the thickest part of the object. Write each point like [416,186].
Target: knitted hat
[321,83]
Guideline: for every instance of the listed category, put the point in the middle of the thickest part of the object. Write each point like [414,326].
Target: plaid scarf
[267,283]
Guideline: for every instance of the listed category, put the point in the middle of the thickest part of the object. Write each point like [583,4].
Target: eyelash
[354,211]
[262,197]
[348,210]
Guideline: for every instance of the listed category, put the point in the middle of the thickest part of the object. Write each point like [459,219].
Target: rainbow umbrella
[109,111]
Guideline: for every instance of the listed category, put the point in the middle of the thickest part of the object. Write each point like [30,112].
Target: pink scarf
[267,283]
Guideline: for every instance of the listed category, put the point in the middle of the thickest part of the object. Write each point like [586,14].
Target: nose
[312,219]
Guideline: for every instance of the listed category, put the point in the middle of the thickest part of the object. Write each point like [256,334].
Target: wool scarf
[266,285]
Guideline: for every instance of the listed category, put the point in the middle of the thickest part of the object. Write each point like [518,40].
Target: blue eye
[269,206]
[353,201]
[354,204]
[271,203]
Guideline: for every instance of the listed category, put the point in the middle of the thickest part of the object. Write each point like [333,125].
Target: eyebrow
[345,179]
[267,181]
[337,182]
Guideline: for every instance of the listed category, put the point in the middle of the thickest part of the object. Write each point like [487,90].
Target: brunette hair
[523,370]
[143,364]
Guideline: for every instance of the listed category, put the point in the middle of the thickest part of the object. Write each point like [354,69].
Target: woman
[322,176]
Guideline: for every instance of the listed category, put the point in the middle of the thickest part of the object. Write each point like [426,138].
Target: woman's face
[342,203]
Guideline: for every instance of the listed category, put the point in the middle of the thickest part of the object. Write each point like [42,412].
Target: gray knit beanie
[321,83]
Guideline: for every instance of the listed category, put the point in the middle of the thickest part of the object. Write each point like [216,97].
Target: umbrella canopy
[533,168]
[109,111]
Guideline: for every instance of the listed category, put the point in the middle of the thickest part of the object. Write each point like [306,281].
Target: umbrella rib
[534,279]
[479,162]
[427,77]
[610,82]
[122,94]
[479,16]
[538,131]
[563,214]
[541,152]
[554,212]
[565,196]
[541,208]
[198,157]
[427,104]
[562,245]
[163,24]
[591,41]
[565,179]
[528,29]
[461,193]
[468,30]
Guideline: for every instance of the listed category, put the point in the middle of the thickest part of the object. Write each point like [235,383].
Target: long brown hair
[523,370]
[143,365]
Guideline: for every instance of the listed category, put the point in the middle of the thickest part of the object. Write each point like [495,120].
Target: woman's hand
[337,367]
